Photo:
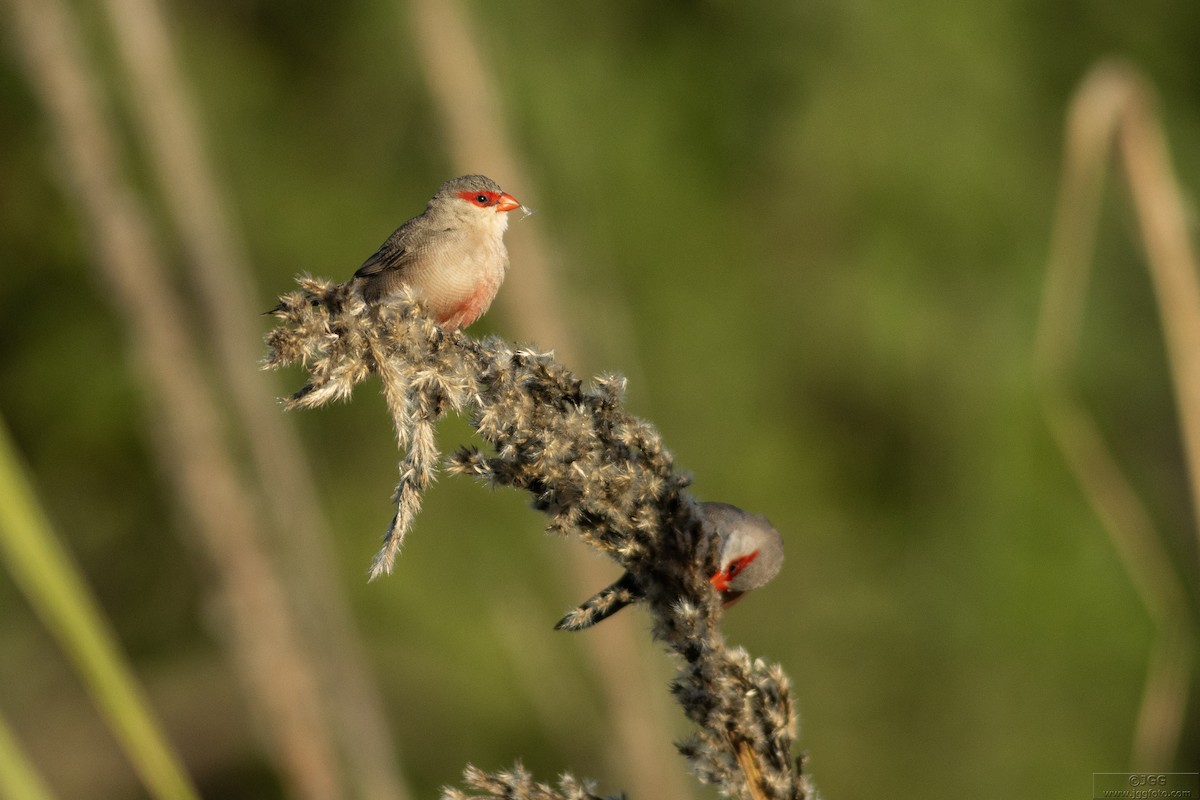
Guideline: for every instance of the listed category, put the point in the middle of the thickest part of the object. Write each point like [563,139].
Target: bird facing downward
[452,254]
[751,555]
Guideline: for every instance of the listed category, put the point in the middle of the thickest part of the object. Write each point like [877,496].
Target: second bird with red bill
[751,554]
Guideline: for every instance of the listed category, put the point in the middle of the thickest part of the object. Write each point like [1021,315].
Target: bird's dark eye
[482,199]
[736,566]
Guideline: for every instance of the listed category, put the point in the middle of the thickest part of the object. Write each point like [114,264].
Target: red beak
[507,202]
[720,581]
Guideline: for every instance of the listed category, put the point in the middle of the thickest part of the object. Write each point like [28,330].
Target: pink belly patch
[470,309]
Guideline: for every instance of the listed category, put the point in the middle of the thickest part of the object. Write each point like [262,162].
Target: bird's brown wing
[389,257]
[386,270]
[397,251]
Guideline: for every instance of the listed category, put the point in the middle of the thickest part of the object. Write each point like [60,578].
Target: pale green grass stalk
[44,570]
[19,778]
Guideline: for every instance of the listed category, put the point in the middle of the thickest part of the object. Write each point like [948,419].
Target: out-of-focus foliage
[811,234]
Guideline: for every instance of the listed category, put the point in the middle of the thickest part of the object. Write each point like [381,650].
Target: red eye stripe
[735,567]
[721,578]
[483,199]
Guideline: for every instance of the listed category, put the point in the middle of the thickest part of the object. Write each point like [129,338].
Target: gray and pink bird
[452,253]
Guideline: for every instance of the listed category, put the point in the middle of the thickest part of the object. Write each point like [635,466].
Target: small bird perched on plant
[452,253]
[751,555]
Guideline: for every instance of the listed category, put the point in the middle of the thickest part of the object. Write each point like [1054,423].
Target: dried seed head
[594,469]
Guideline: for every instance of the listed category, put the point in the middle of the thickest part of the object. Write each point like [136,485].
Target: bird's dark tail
[602,605]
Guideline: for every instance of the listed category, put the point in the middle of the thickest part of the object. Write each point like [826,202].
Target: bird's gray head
[471,196]
[467,183]
[751,549]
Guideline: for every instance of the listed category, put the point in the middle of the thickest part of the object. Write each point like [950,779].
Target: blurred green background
[813,235]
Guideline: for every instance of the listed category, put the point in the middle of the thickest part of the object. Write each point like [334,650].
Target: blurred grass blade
[18,777]
[43,569]
[169,125]
[188,433]
[462,84]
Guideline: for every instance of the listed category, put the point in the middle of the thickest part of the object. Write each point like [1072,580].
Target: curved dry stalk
[1114,106]
[598,473]
[1164,699]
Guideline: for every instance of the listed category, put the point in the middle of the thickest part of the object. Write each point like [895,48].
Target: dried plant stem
[166,120]
[749,764]
[1164,699]
[58,593]
[1114,105]
[188,433]
[1171,259]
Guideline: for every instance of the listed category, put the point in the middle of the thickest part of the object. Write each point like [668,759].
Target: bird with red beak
[751,554]
[452,254]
